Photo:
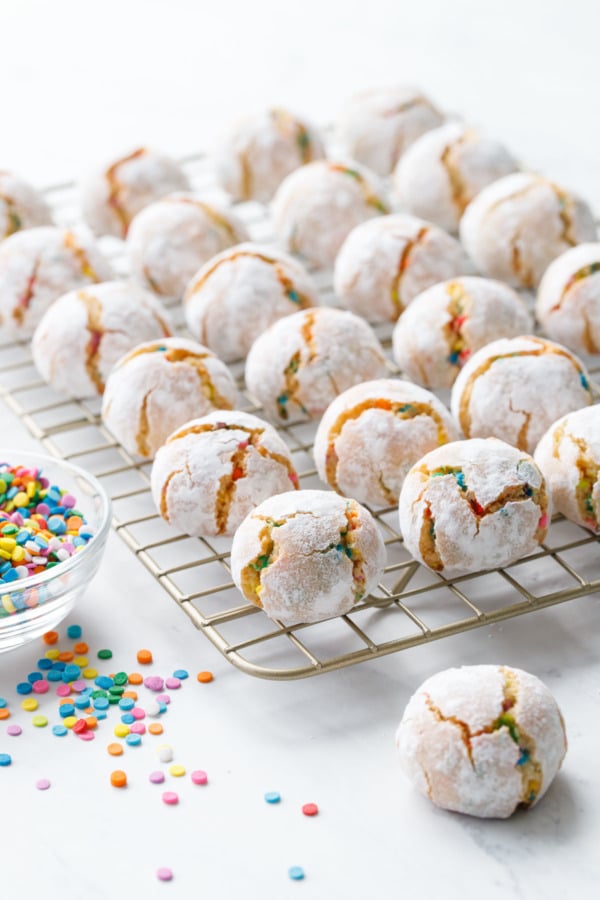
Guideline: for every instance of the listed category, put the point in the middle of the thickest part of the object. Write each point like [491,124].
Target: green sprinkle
[104,654]
[120,678]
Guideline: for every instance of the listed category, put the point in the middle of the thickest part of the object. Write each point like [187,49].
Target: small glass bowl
[31,606]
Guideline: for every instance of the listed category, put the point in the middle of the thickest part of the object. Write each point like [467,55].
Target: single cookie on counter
[307,556]
[445,169]
[436,335]
[114,193]
[158,387]
[213,471]
[514,388]
[85,332]
[373,433]
[318,205]
[21,206]
[37,266]
[473,505]
[302,362]
[259,151]
[569,456]
[169,240]
[378,125]
[385,263]
[238,294]
[568,299]
[516,226]
[482,740]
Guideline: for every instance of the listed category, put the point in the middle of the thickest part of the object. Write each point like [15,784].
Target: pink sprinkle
[17,519]
[154,683]
[543,521]
[42,784]
[40,687]
[63,690]
[43,509]
[199,777]
[156,777]
[172,683]
[44,482]
[14,730]
[164,874]
[138,713]
[170,798]
[163,698]
[137,728]
[86,736]
[67,500]
[78,686]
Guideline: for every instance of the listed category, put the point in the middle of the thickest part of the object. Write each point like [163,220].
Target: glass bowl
[31,606]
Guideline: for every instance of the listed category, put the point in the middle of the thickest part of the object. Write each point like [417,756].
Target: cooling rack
[411,605]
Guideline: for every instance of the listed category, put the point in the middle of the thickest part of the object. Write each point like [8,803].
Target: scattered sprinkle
[164,874]
[29,704]
[156,777]
[51,637]
[104,654]
[14,730]
[5,759]
[272,797]
[170,798]
[42,784]
[59,730]
[296,873]
[39,721]
[177,771]
[165,753]
[310,809]
[155,728]
[74,631]
[118,778]
[182,674]
[204,677]
[144,657]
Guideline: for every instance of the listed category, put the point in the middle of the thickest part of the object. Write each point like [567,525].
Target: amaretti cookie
[113,194]
[443,326]
[569,456]
[445,169]
[318,205]
[160,385]
[385,263]
[214,470]
[482,740]
[514,388]
[39,265]
[21,206]
[373,433]
[241,292]
[307,556]
[168,241]
[516,226]
[85,332]
[258,151]
[378,125]
[568,299]
[302,362]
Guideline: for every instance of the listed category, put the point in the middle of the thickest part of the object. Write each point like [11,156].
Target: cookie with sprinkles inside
[373,433]
[21,206]
[569,456]
[302,362]
[448,322]
[85,332]
[160,385]
[307,556]
[212,471]
[482,740]
[115,192]
[385,263]
[568,299]
[238,294]
[516,226]
[39,265]
[318,205]
[258,151]
[471,505]
[514,388]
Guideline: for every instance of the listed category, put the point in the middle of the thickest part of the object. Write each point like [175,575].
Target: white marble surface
[79,81]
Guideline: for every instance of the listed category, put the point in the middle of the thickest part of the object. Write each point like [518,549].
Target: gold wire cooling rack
[411,606]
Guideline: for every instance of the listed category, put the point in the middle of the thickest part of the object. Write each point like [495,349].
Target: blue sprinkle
[23,537]
[40,541]
[134,740]
[44,664]
[453,359]
[182,674]
[67,709]
[293,296]
[59,666]
[101,703]
[100,714]
[24,687]
[3,703]
[5,759]
[82,702]
[34,676]
[406,407]
[53,675]
[127,719]
[78,542]
[104,682]
[272,797]
[12,492]
[11,575]
[126,703]
[56,525]
[460,479]
[74,631]
[524,757]
[162,707]
[584,382]
[296,873]
[71,673]
[85,532]
[5,567]
[59,730]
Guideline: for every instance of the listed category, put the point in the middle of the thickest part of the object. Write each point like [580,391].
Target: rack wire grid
[411,606]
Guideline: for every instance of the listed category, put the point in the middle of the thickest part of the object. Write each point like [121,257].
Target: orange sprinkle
[115,750]
[131,694]
[64,700]
[75,523]
[144,657]
[81,648]
[205,677]
[135,678]
[91,721]
[66,656]
[118,778]
[155,728]
[4,714]
[51,637]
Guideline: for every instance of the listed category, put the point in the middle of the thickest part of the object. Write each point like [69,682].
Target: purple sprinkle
[78,686]
[164,874]
[43,509]
[154,683]
[17,519]
[14,730]
[172,683]
[163,698]
[42,784]
[156,777]
[67,500]
[44,482]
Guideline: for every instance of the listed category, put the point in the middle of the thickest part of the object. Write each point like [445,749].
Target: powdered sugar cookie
[239,293]
[373,433]
[21,206]
[473,505]
[302,362]
[213,471]
[568,299]
[160,385]
[482,740]
[448,322]
[514,388]
[307,556]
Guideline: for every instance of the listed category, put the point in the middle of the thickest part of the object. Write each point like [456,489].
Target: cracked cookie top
[21,206]
[568,299]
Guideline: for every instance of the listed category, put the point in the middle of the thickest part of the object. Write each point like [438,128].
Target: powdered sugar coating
[307,556]
[168,241]
[482,740]
[384,264]
[21,206]
[569,456]
[471,505]
[159,386]
[214,470]
[373,433]
[514,388]
[302,362]
[515,227]
[237,295]
[39,265]
[444,325]
[568,299]
[318,205]
[445,169]
[259,150]
[114,193]
[85,332]
[379,125]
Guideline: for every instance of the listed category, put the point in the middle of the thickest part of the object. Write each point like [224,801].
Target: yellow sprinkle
[121,730]
[5,554]
[21,499]
[177,771]
[80,661]
[42,721]
[29,704]
[90,673]
[18,554]
[52,654]
[69,721]
[7,543]
[8,604]
[31,489]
